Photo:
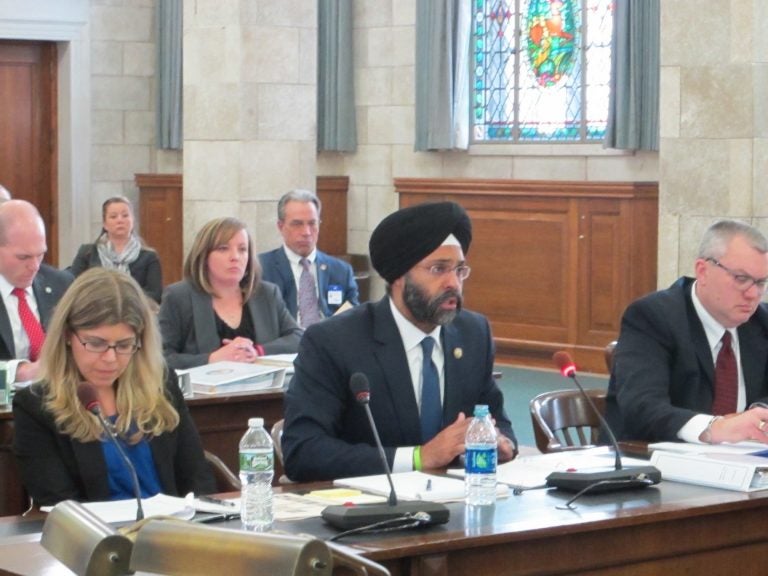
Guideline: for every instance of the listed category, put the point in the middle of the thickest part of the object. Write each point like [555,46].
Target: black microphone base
[605,480]
[349,517]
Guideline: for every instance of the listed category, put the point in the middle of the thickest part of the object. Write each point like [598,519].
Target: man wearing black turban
[422,394]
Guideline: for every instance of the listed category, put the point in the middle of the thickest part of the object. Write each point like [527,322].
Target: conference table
[670,528]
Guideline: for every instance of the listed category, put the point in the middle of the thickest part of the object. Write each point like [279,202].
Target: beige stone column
[249,110]
[714,126]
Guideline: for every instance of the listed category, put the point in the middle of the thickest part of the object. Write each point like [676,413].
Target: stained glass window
[541,70]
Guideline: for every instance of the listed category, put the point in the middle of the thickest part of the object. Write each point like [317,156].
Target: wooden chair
[563,420]
[277,439]
[226,481]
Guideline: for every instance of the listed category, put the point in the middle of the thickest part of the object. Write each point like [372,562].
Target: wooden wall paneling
[161,222]
[332,192]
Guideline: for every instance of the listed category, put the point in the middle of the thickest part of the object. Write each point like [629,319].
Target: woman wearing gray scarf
[118,247]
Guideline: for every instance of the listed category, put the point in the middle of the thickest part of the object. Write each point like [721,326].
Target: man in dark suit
[422,395]
[23,276]
[692,360]
[330,281]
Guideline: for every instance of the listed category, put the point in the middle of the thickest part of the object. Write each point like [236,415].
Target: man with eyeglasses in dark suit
[427,360]
[691,363]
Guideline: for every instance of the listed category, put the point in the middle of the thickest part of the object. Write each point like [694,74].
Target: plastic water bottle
[480,457]
[257,467]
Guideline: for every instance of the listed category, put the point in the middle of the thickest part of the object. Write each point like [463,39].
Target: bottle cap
[255,422]
[481,410]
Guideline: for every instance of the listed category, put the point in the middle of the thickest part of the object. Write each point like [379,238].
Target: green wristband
[417,458]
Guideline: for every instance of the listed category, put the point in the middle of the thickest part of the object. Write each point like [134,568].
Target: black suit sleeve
[152,281]
[46,462]
[191,470]
[657,384]
[82,260]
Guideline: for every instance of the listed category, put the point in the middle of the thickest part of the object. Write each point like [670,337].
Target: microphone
[411,514]
[88,398]
[620,478]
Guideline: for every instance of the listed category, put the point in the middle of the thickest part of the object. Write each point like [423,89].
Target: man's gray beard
[428,311]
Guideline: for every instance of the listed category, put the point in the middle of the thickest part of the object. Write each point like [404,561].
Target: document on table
[414,486]
[115,511]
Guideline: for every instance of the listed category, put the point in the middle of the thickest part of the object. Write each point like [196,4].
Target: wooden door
[28,129]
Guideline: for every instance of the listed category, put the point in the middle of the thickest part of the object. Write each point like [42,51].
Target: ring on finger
[761,426]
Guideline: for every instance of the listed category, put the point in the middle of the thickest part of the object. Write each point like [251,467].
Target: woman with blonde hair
[104,333]
[222,310]
[118,246]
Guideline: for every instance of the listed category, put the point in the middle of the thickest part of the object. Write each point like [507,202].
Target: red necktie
[726,379]
[31,324]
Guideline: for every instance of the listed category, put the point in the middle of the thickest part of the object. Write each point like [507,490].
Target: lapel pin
[458,353]
[323,266]
[48,290]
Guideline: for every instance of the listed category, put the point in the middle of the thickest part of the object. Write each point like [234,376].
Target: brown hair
[215,233]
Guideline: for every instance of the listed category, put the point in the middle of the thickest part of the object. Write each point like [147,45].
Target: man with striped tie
[29,288]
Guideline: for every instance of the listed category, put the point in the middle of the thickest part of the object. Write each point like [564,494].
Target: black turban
[406,237]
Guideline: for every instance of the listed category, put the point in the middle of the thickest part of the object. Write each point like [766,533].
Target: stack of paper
[227,377]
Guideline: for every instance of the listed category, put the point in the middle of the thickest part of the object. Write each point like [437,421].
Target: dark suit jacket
[145,269]
[663,371]
[54,467]
[276,268]
[48,286]
[188,324]
[327,434]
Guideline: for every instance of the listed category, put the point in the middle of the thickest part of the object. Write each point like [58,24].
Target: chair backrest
[609,350]
[226,481]
[563,420]
[277,439]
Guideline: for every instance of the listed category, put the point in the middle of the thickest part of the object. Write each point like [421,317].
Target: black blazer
[663,372]
[54,467]
[327,434]
[48,286]
[145,269]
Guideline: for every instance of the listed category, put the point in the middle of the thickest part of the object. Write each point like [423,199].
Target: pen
[219,501]
[216,518]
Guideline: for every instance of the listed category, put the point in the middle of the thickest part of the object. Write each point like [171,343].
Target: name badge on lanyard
[335,295]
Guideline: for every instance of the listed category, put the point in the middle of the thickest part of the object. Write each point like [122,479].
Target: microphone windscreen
[358,383]
[564,363]
[87,396]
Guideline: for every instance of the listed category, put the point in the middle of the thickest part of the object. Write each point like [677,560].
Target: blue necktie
[431,409]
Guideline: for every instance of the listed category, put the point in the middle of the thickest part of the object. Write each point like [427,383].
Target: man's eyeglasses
[124,348]
[743,281]
[461,270]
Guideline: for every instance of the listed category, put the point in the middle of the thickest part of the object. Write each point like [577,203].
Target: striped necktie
[30,323]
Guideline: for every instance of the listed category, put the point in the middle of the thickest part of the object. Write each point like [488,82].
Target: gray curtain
[442,49]
[633,115]
[169,62]
[336,128]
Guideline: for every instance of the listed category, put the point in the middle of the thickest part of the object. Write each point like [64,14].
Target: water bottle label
[480,460]
[257,461]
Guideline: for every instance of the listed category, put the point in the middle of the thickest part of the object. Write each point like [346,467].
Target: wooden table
[668,529]
[221,421]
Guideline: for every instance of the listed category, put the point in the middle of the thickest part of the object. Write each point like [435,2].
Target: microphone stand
[126,461]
